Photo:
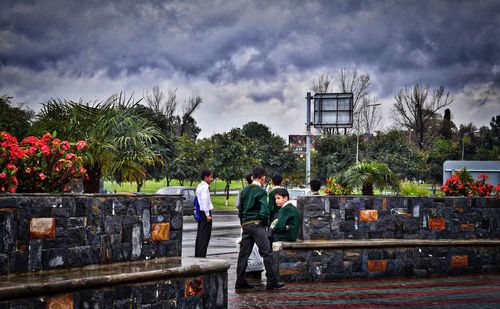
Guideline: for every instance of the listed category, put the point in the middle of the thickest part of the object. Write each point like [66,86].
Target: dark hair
[283,192]
[205,173]
[258,172]
[315,184]
[277,180]
[248,177]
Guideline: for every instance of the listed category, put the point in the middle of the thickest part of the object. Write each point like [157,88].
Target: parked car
[188,195]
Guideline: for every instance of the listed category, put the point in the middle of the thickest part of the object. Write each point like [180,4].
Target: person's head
[277,179]
[281,197]
[259,174]
[207,176]
[248,178]
[315,184]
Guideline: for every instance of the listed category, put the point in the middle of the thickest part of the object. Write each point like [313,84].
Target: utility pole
[308,139]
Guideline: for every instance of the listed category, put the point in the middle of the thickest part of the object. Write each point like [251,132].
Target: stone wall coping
[383,243]
[95,276]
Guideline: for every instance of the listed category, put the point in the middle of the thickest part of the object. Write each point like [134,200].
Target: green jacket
[253,204]
[273,208]
[288,216]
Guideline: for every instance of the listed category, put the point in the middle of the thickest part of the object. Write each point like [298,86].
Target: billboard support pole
[308,140]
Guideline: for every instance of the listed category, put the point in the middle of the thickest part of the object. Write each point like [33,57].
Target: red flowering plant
[41,165]
[10,152]
[334,187]
[461,183]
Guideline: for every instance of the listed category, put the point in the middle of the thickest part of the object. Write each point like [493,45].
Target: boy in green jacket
[286,227]
[254,218]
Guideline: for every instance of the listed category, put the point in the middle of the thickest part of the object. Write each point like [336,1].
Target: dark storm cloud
[192,38]
[260,43]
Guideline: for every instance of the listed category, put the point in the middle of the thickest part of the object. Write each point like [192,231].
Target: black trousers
[255,233]
[203,234]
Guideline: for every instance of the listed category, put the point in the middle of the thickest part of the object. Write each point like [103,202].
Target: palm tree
[367,175]
[119,139]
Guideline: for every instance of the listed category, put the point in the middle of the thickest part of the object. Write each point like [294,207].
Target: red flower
[65,145]
[70,156]
[81,144]
[45,150]
[3,175]
[42,176]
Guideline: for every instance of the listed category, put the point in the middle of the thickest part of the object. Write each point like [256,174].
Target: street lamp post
[357,130]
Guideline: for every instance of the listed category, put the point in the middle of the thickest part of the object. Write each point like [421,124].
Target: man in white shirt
[205,224]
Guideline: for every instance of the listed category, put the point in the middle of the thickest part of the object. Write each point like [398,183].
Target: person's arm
[264,208]
[283,216]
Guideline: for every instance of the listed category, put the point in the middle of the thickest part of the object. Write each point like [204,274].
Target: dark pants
[203,234]
[255,233]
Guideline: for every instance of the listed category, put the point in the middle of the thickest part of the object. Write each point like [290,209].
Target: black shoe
[244,286]
[275,285]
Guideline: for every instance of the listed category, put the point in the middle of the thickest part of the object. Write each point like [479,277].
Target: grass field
[219,200]
[151,186]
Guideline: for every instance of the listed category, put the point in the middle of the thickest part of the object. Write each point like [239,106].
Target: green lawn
[151,186]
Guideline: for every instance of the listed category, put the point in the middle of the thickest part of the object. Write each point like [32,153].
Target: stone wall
[368,217]
[365,236]
[324,264]
[41,231]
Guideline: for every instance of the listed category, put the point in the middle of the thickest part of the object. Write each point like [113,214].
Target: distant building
[297,143]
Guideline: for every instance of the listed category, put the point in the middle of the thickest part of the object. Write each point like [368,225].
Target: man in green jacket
[286,227]
[254,218]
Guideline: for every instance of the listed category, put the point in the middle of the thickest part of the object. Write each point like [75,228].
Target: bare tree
[349,81]
[414,111]
[369,115]
[322,84]
[190,106]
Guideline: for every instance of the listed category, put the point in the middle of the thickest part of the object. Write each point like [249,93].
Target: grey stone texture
[90,229]
[156,294]
[366,236]
[338,217]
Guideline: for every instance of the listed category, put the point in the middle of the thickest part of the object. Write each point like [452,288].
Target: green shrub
[408,188]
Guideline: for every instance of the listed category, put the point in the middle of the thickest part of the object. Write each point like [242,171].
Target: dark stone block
[121,252]
[54,258]
[81,205]
[35,255]
[113,225]
[176,222]
[75,237]
[60,212]
[19,261]
[149,250]
[4,264]
[84,255]
[77,222]
[130,220]
[349,214]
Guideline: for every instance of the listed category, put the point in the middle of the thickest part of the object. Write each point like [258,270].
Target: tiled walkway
[452,292]
[474,291]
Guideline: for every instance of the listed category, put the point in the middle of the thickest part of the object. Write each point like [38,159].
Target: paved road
[225,232]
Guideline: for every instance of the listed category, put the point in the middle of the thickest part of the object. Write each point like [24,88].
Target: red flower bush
[39,165]
[461,183]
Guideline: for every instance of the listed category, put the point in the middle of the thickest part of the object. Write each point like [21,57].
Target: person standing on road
[204,230]
[254,218]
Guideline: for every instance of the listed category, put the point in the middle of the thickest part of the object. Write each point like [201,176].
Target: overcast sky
[250,60]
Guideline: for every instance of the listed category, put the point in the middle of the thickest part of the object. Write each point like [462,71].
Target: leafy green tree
[442,149]
[269,149]
[404,159]
[119,139]
[332,155]
[189,160]
[15,120]
[230,156]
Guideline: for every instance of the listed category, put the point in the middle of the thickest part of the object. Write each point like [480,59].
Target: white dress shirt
[203,194]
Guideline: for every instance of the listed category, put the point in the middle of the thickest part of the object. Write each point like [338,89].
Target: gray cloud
[245,44]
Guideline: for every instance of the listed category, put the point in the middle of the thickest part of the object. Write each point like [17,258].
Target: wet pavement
[471,291]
